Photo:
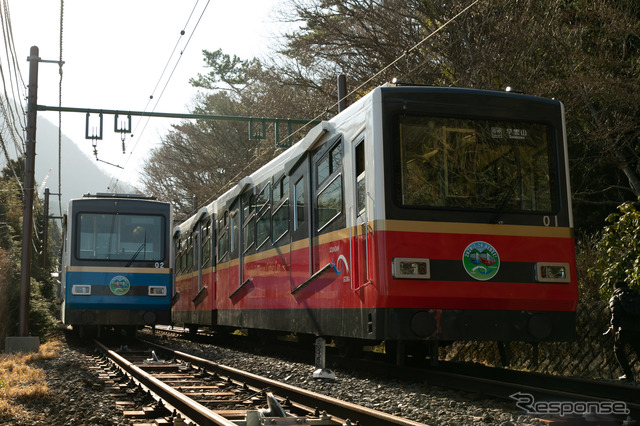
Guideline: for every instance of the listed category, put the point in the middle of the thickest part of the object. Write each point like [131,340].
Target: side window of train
[330,163]
[280,217]
[223,239]
[298,197]
[263,225]
[206,244]
[329,200]
[233,228]
[189,262]
[361,187]
[248,221]
[183,254]
[179,255]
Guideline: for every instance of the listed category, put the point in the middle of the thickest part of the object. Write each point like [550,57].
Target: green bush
[587,249]
[42,306]
[619,250]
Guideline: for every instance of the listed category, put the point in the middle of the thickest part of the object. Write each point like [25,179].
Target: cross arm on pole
[174,115]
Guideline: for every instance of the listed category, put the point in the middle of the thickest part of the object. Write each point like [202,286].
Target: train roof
[188,224]
[102,199]
[118,195]
[284,162]
[508,92]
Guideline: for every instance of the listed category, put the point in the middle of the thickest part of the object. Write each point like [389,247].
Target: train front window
[120,237]
[474,164]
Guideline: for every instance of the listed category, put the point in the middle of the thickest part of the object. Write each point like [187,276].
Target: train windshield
[121,237]
[474,164]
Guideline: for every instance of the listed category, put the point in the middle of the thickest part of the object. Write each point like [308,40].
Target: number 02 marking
[159,264]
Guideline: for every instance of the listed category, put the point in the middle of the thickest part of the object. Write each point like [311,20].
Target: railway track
[548,397]
[192,389]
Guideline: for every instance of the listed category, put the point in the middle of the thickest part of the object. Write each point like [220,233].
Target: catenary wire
[15,107]
[392,63]
[10,50]
[170,76]
[5,102]
[16,69]
[9,110]
[114,181]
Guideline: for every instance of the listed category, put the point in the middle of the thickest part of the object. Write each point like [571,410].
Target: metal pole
[45,229]
[27,216]
[176,115]
[342,92]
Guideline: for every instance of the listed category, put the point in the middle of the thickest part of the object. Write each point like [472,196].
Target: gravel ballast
[78,396]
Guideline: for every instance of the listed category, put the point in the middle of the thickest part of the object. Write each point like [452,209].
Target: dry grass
[20,382]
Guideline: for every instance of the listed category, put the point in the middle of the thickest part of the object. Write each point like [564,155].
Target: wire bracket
[96,133]
[123,127]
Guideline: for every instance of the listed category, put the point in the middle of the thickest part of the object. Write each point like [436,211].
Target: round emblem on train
[119,285]
[481,260]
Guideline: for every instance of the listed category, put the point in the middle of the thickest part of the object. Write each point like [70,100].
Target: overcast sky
[115,52]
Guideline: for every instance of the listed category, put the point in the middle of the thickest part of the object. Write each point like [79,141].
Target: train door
[198,255]
[205,298]
[248,235]
[301,253]
[222,275]
[205,244]
[234,243]
[191,261]
[175,240]
[361,235]
[280,226]
[327,198]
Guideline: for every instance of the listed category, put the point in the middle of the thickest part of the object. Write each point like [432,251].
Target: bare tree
[583,52]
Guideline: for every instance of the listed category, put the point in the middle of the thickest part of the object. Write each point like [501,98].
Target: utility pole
[24,342]
[45,226]
[342,92]
[29,183]
[45,229]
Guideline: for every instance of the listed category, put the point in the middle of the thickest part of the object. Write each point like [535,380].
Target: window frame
[336,166]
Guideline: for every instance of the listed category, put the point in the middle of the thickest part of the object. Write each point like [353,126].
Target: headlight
[417,269]
[81,290]
[157,290]
[552,272]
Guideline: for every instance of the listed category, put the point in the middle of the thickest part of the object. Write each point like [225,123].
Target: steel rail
[190,408]
[333,406]
[499,382]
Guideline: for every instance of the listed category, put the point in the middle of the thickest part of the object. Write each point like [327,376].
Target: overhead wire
[182,33]
[115,180]
[16,68]
[9,108]
[11,58]
[10,164]
[8,103]
[20,84]
[392,63]
[172,71]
